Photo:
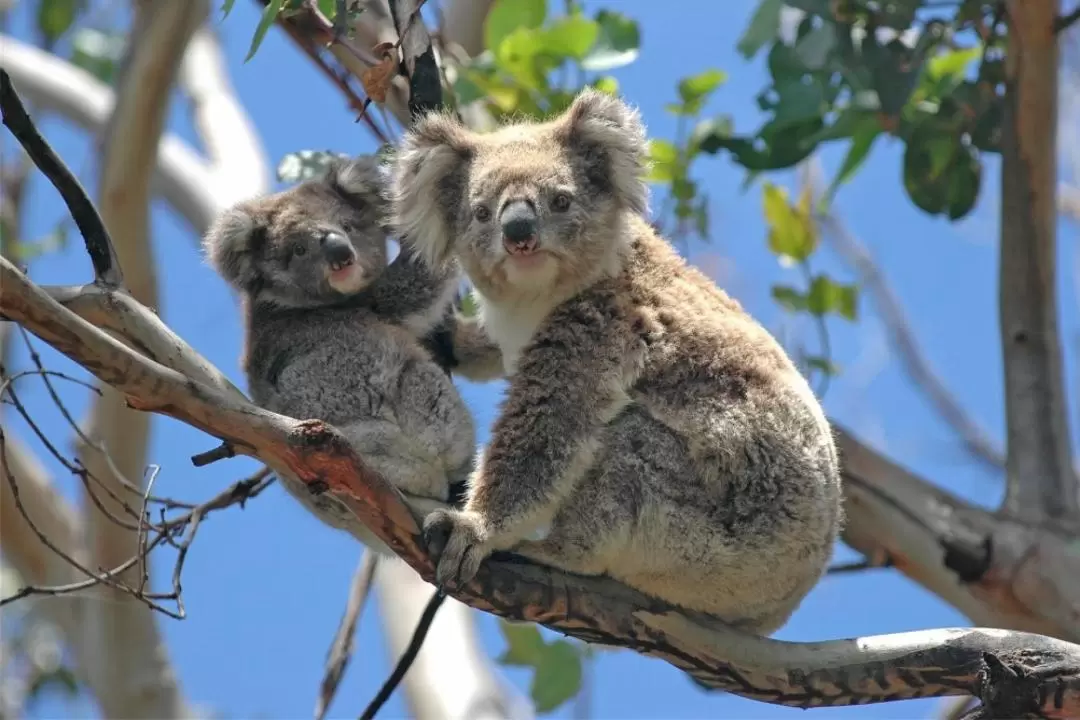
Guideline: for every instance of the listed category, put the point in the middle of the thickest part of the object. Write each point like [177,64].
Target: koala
[651,431]
[333,332]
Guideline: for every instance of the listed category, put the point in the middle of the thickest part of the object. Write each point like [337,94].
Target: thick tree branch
[238,162]
[139,678]
[180,176]
[1041,480]
[912,359]
[1011,672]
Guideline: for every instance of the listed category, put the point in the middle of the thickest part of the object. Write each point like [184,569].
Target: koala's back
[716,484]
[345,365]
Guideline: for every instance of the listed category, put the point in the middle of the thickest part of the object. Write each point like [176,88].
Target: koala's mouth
[336,266]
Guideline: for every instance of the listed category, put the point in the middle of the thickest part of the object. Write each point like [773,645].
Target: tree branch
[341,648]
[139,677]
[237,160]
[181,177]
[1041,481]
[1013,673]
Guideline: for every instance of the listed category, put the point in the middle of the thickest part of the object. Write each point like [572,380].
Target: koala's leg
[651,516]
[403,461]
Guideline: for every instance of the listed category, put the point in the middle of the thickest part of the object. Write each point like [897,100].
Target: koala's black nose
[337,250]
[518,222]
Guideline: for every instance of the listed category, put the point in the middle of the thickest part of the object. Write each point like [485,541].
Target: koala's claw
[456,540]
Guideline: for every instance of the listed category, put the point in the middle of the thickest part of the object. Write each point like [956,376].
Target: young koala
[652,430]
[334,333]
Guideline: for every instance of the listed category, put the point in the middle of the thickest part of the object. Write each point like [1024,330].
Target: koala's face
[309,245]
[529,207]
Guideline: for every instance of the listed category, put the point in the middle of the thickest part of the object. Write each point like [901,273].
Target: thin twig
[407,658]
[341,648]
[975,439]
[98,244]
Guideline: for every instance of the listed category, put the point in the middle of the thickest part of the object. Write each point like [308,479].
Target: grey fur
[346,348]
[652,430]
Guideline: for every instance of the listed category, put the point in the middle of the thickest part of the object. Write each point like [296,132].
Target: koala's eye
[482,213]
[561,202]
[348,226]
[298,250]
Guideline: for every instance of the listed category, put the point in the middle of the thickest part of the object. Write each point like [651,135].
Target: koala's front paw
[458,542]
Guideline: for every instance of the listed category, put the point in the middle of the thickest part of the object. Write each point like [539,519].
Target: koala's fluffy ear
[428,180]
[361,178]
[231,245]
[610,136]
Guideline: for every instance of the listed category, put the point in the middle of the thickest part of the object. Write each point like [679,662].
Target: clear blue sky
[264,587]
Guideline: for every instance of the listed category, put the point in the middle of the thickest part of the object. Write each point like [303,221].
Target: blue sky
[264,587]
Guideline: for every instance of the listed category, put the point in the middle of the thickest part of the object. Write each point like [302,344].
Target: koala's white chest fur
[511,326]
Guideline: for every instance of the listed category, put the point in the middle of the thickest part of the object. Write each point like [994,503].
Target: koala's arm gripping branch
[1015,674]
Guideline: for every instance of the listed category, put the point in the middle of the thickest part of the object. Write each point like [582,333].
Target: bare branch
[1012,673]
[83,212]
[341,648]
[938,662]
[463,24]
[181,177]
[139,675]
[239,166]
[1041,480]
[976,439]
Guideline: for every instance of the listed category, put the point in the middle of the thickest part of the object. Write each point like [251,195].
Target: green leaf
[226,7]
[607,84]
[701,217]
[799,102]
[506,16]
[789,298]
[821,364]
[813,48]
[764,26]
[952,64]
[862,139]
[618,43]
[942,173]
[468,307]
[55,17]
[571,36]
[557,677]
[525,645]
[97,52]
[664,158]
[695,90]
[305,164]
[54,241]
[720,126]
[826,296]
[792,233]
[270,13]
[520,55]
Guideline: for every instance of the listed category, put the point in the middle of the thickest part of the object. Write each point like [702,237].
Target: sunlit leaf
[525,645]
[792,234]
[789,298]
[558,676]
[827,296]
[269,14]
[55,17]
[618,43]
[696,89]
[763,27]
[664,159]
[506,16]
[97,52]
[305,164]
[571,36]
[607,84]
